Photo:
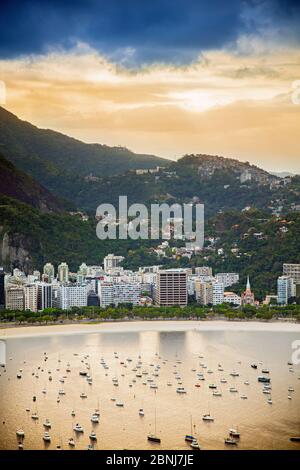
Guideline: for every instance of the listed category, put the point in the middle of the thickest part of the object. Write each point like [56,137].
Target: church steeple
[248,287]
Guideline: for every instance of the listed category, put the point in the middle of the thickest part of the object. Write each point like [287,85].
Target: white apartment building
[171,287]
[63,272]
[218,293]
[49,271]
[71,296]
[106,293]
[119,293]
[228,279]
[30,297]
[232,298]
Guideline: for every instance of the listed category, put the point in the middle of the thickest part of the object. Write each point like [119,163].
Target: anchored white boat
[47,437]
[78,428]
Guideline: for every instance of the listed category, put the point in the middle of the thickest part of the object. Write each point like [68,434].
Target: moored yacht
[207,417]
[78,428]
[47,437]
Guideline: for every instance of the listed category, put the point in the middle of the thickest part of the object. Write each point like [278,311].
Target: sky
[161,77]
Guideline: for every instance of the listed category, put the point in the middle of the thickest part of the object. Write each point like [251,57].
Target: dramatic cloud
[165,76]
[223,103]
[137,31]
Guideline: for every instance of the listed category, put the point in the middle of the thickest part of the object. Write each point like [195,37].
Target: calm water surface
[168,350]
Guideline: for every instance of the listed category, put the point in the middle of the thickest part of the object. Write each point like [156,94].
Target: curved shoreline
[140,325]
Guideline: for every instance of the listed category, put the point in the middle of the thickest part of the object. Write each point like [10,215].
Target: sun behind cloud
[225,102]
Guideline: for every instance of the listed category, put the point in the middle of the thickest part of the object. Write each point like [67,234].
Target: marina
[179,399]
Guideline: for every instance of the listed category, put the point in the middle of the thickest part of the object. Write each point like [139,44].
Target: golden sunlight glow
[226,103]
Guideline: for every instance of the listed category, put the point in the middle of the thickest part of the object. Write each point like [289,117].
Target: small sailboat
[234,433]
[230,441]
[47,437]
[195,444]
[190,437]
[95,418]
[153,437]
[71,442]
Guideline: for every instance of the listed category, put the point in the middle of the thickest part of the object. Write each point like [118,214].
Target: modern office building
[63,272]
[44,296]
[285,289]
[2,288]
[93,299]
[30,297]
[14,298]
[171,287]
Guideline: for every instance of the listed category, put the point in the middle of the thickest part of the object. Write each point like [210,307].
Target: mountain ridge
[18,185]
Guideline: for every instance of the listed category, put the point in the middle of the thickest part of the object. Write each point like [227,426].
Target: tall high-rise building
[49,271]
[285,289]
[111,261]
[2,288]
[14,298]
[218,293]
[30,297]
[63,272]
[203,292]
[44,296]
[171,287]
[93,299]
[83,269]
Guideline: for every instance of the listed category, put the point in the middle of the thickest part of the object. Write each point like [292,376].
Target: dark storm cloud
[151,30]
